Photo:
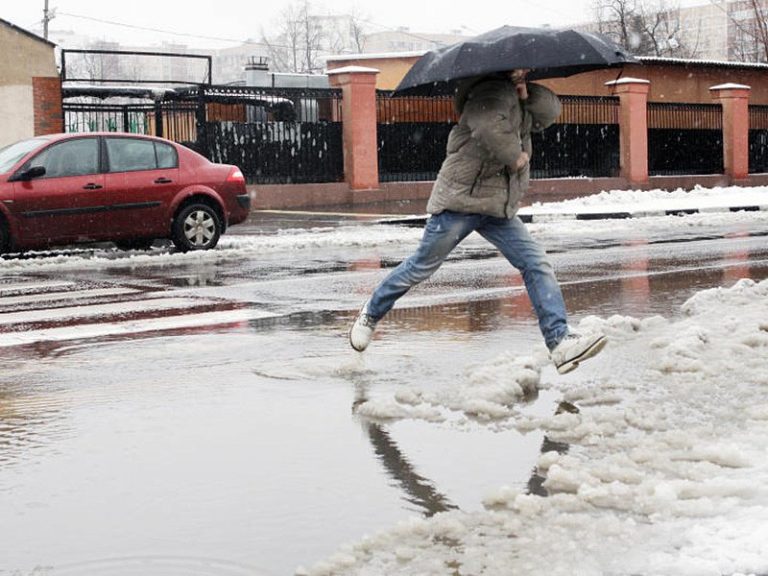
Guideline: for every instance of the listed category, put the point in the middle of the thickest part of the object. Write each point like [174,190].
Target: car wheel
[196,227]
[141,244]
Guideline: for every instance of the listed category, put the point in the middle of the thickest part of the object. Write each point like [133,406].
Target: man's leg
[514,241]
[567,349]
[441,235]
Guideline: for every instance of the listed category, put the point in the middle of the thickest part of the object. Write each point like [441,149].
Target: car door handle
[163,180]
[92,186]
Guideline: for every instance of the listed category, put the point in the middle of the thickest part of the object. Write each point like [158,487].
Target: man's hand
[522,160]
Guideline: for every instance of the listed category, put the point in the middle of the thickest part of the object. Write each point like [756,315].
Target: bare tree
[298,42]
[748,30]
[304,36]
[645,27]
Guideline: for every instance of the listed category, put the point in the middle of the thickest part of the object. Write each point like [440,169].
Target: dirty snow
[651,204]
[650,201]
[667,471]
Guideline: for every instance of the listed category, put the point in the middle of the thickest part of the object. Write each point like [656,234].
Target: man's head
[518,76]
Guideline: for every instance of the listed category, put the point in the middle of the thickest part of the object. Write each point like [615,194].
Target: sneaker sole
[593,350]
[355,348]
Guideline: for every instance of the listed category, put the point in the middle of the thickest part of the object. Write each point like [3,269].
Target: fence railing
[584,142]
[758,139]
[685,139]
[275,136]
[295,135]
[413,132]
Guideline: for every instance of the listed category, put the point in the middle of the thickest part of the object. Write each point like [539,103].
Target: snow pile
[667,471]
[659,200]
[486,393]
[230,248]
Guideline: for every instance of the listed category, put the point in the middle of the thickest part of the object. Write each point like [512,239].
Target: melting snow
[667,468]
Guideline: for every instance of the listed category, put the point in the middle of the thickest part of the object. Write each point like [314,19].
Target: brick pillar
[358,109]
[46,93]
[734,98]
[633,127]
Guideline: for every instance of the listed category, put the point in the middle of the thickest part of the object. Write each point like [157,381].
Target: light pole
[47,17]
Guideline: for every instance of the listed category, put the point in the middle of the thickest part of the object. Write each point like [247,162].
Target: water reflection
[536,481]
[418,490]
[30,418]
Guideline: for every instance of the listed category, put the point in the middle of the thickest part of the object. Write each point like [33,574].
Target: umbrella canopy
[547,52]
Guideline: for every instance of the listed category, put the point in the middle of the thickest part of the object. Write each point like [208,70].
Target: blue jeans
[443,233]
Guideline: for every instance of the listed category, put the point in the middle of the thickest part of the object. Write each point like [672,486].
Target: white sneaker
[361,333]
[576,348]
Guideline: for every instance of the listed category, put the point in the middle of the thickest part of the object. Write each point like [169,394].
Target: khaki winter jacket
[478,174]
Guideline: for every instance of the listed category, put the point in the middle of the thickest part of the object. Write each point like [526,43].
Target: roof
[704,63]
[27,33]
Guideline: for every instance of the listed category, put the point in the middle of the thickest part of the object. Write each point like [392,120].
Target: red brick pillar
[633,127]
[734,98]
[46,93]
[358,109]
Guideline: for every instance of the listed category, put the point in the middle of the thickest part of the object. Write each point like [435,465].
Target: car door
[67,202]
[142,179]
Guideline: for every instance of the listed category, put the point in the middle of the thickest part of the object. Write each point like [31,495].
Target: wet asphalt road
[219,436]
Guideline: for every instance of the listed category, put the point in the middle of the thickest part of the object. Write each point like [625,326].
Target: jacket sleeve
[494,119]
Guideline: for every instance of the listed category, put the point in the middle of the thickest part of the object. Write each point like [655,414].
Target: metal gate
[275,136]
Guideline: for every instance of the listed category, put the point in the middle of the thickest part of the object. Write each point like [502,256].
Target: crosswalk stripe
[92,310]
[85,331]
[67,295]
[32,286]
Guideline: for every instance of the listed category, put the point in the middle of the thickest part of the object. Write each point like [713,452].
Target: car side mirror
[28,174]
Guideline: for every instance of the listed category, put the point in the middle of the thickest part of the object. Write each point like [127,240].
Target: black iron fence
[413,132]
[275,136]
[685,139]
[295,135]
[584,142]
[758,139]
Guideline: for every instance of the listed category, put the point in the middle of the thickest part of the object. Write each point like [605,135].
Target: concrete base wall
[305,196]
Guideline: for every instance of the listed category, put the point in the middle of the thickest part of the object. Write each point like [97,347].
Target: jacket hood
[465,86]
[543,106]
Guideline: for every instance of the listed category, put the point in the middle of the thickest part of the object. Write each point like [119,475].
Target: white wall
[17,116]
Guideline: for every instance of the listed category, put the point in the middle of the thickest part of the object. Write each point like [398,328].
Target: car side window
[131,154]
[72,158]
[166,156]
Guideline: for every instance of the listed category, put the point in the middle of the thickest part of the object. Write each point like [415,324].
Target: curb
[530,218]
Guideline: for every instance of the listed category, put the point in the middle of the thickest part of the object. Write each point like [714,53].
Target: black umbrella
[547,52]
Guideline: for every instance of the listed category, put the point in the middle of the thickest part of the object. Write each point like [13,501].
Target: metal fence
[758,139]
[274,135]
[413,132]
[685,139]
[584,142]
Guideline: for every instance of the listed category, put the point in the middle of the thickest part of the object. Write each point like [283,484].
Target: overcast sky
[227,22]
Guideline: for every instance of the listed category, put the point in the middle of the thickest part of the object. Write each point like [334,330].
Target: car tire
[196,227]
[141,244]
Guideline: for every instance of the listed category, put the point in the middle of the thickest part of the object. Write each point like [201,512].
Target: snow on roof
[352,69]
[730,86]
[375,56]
[627,81]
[696,62]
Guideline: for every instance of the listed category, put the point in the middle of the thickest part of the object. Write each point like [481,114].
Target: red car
[125,188]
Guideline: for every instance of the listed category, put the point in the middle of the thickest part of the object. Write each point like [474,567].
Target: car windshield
[16,151]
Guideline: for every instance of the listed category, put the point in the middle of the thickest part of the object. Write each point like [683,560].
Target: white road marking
[89,311]
[85,331]
[33,286]
[79,294]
